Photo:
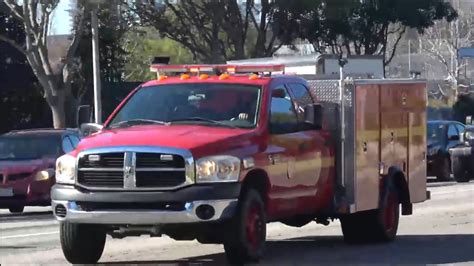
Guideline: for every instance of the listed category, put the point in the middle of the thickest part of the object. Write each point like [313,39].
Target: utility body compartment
[382,126]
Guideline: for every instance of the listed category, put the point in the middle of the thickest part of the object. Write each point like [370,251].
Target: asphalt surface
[441,231]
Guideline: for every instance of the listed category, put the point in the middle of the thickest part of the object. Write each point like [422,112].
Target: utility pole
[96,65]
[409,57]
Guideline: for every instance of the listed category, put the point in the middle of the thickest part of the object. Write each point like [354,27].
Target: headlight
[44,174]
[218,169]
[469,135]
[65,169]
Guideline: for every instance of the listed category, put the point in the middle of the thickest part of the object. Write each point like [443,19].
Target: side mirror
[90,128]
[83,115]
[313,115]
[279,93]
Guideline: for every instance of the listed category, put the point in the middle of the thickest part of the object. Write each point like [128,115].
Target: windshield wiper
[134,122]
[203,120]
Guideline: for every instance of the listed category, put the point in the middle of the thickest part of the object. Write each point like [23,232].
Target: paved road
[440,232]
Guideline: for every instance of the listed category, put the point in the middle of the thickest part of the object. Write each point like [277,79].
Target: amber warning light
[198,70]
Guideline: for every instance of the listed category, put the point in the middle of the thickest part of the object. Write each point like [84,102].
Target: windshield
[214,104]
[28,148]
[435,132]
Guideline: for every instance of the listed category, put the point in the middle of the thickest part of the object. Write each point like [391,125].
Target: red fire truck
[215,152]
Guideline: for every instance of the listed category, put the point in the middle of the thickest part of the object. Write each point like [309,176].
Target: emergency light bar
[232,69]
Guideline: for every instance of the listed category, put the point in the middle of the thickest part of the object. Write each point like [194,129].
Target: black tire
[16,209]
[444,170]
[82,243]
[248,231]
[379,225]
[460,170]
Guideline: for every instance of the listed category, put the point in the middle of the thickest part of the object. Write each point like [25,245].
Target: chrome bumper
[461,151]
[224,209]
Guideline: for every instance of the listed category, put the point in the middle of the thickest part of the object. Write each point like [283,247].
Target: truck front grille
[159,160]
[160,179]
[101,179]
[131,171]
[102,160]
[16,177]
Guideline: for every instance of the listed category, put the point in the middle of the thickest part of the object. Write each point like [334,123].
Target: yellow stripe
[371,135]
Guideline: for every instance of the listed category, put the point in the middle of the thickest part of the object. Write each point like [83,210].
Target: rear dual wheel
[379,225]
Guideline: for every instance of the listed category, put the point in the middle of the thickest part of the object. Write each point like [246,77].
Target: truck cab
[214,153]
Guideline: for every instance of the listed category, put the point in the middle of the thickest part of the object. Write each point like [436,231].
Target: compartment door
[417,143]
[367,149]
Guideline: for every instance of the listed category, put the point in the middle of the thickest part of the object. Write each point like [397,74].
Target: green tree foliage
[371,27]
[215,31]
[463,107]
[145,44]
[115,21]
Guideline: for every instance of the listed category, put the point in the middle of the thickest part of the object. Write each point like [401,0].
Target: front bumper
[461,151]
[146,208]
[26,193]
[223,209]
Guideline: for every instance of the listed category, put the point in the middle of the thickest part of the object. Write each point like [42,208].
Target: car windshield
[435,132]
[227,105]
[29,147]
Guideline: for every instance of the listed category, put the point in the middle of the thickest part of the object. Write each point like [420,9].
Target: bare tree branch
[13,44]
[73,46]
[395,46]
[14,7]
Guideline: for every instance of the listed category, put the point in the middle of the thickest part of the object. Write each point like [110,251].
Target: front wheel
[82,243]
[376,225]
[248,231]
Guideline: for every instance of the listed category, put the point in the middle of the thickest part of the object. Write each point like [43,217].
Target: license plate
[6,192]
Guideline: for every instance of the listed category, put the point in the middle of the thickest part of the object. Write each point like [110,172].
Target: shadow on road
[44,215]
[411,249]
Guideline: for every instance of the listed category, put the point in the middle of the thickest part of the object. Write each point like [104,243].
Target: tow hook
[122,232]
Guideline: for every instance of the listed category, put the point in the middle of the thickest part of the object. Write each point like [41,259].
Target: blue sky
[61,23]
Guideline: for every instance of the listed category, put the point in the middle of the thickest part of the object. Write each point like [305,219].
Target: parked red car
[27,161]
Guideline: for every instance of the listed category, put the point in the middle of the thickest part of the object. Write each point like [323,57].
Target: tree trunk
[58,110]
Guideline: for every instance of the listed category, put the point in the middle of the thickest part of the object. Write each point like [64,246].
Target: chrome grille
[102,179]
[159,160]
[135,168]
[15,177]
[102,160]
[160,178]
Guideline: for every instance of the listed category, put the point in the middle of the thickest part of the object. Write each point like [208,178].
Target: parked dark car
[462,157]
[27,165]
[442,136]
